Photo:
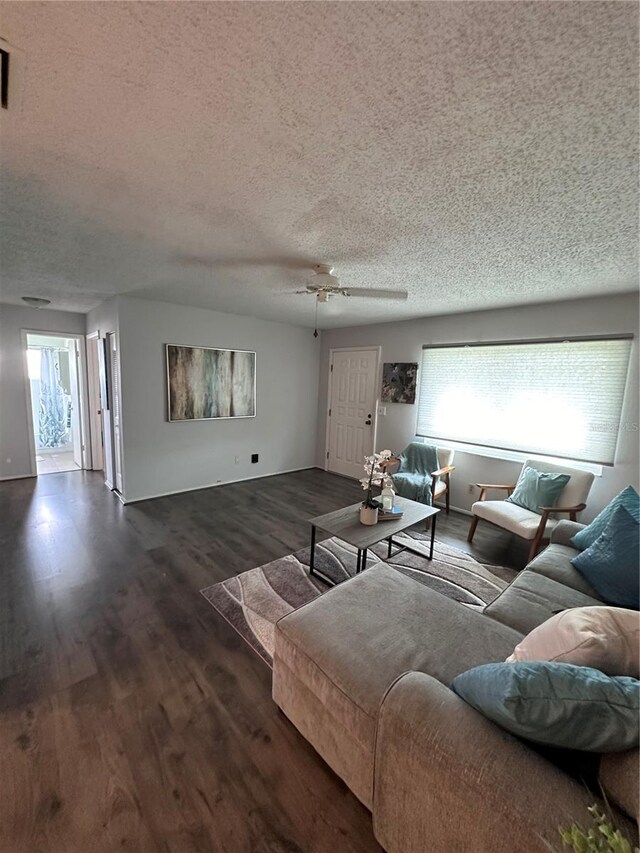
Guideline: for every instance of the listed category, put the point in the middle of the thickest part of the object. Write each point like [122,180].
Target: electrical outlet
[254,457]
[237,460]
[472,488]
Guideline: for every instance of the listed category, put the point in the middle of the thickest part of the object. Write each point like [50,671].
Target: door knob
[368,421]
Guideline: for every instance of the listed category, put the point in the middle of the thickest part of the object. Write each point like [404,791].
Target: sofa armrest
[564,531]
[446,778]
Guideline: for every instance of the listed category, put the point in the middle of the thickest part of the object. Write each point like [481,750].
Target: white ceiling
[476,154]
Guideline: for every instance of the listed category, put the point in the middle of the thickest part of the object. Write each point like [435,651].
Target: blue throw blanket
[413,478]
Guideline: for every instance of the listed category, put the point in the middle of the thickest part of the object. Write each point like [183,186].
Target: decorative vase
[368,514]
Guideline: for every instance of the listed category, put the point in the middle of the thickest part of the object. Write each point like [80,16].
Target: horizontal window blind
[557,398]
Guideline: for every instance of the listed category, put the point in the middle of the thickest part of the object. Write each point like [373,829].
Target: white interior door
[114,376]
[95,404]
[76,423]
[352,410]
[105,405]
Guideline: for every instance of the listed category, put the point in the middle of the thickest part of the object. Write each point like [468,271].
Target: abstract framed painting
[204,383]
[399,382]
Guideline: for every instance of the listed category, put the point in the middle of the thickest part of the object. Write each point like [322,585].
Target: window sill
[514,455]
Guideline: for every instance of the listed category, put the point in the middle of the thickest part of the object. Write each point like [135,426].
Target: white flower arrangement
[374,467]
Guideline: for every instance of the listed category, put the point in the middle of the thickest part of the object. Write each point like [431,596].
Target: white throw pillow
[605,638]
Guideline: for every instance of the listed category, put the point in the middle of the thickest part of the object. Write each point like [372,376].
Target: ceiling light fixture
[36,301]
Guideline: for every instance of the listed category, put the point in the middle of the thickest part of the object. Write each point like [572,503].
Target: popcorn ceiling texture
[476,154]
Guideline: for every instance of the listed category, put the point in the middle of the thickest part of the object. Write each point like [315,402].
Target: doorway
[54,369]
[351,418]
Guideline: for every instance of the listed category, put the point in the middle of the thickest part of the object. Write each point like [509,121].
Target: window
[551,398]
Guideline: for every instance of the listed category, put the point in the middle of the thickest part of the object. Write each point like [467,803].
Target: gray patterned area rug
[253,602]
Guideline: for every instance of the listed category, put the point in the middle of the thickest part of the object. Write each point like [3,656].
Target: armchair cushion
[558,704]
[512,517]
[577,489]
[536,489]
[611,564]
[440,488]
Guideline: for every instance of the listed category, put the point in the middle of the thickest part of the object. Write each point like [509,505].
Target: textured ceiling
[476,154]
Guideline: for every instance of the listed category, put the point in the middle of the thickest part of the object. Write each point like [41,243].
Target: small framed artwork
[399,381]
[207,384]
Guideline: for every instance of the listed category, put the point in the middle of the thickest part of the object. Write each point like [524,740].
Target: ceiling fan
[323,284]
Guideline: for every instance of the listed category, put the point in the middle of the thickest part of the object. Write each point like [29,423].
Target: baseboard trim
[460,510]
[18,477]
[126,500]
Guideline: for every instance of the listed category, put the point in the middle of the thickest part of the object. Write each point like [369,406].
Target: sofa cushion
[605,638]
[511,517]
[532,598]
[348,646]
[555,563]
[558,704]
[612,563]
[628,498]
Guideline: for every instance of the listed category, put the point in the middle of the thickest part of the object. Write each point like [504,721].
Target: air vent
[4,81]
[11,67]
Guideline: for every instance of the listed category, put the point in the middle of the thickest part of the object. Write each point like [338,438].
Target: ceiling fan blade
[373,293]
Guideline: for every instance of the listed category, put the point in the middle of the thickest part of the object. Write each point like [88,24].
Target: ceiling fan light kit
[323,284]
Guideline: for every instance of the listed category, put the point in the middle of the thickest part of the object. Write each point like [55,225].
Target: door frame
[114,393]
[378,375]
[85,435]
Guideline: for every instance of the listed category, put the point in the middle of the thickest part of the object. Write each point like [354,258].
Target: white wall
[404,341]
[104,318]
[15,459]
[162,457]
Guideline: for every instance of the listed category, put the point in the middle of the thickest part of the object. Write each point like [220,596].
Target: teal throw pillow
[612,563]
[536,488]
[558,704]
[628,498]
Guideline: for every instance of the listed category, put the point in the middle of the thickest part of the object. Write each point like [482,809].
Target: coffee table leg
[433,535]
[313,572]
[390,541]
[363,561]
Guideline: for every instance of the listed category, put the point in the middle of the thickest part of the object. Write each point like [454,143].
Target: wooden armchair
[441,478]
[532,526]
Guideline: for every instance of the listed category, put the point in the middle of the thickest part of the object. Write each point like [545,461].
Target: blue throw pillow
[558,704]
[537,488]
[628,498]
[612,563]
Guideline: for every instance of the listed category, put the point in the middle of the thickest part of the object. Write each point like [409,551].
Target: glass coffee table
[345,524]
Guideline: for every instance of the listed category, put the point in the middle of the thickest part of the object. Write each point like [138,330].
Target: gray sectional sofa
[363,672]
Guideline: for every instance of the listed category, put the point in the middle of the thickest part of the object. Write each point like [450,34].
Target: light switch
[382,410]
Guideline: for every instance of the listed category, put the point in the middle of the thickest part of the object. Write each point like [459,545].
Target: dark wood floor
[131,715]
